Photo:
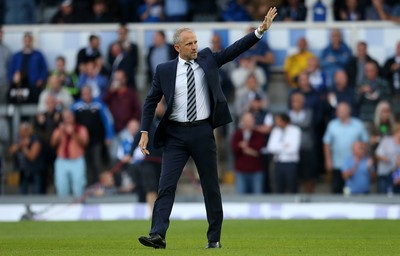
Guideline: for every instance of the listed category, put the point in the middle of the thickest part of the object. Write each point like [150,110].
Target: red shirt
[244,162]
[124,106]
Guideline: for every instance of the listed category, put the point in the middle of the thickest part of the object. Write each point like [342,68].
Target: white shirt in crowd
[284,144]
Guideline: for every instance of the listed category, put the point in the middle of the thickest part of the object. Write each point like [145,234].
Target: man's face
[371,71]
[27,42]
[187,48]
[361,50]
[343,112]
[95,43]
[86,94]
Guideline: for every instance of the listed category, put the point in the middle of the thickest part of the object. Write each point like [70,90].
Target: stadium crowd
[341,120]
[123,11]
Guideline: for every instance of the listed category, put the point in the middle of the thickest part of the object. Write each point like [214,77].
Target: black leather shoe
[155,241]
[211,245]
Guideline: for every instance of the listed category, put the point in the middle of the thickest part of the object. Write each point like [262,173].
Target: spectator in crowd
[148,171]
[176,10]
[386,155]
[70,140]
[296,63]
[151,11]
[292,10]
[391,72]
[240,74]
[160,51]
[68,80]
[130,160]
[236,11]
[302,117]
[96,117]
[377,10]
[31,66]
[383,125]
[124,105]
[123,102]
[312,98]
[121,62]
[5,55]
[357,170]
[341,92]
[384,122]
[128,10]
[55,89]
[244,99]
[20,92]
[370,91]
[89,53]
[130,51]
[355,67]
[29,159]
[20,12]
[44,125]
[316,76]
[99,13]
[91,77]
[284,144]
[66,14]
[338,139]
[334,56]
[352,10]
[261,53]
[264,121]
[246,147]
[4,142]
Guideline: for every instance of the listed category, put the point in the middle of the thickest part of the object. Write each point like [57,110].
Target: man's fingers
[145,151]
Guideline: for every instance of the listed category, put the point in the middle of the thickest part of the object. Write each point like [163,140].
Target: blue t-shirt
[360,181]
[340,136]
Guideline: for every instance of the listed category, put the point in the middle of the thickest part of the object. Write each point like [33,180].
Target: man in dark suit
[195,105]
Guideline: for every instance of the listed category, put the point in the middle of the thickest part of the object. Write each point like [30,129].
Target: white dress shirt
[284,144]
[179,108]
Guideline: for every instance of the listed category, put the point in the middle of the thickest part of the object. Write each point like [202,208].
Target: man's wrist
[258,33]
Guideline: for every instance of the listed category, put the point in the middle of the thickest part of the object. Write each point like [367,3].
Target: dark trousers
[181,143]
[93,157]
[337,181]
[286,177]
[31,179]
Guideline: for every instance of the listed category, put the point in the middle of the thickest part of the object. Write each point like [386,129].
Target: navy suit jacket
[164,85]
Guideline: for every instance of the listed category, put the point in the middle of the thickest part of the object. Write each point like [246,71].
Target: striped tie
[191,93]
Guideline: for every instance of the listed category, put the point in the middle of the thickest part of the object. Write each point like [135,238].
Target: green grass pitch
[239,237]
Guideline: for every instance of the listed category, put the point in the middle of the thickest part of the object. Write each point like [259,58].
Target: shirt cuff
[258,35]
[144,132]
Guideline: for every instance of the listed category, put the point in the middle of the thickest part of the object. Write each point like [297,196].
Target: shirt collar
[182,61]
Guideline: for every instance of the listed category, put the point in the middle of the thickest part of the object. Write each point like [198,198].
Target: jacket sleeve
[153,97]
[235,49]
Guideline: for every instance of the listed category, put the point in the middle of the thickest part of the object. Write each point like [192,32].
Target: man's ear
[176,46]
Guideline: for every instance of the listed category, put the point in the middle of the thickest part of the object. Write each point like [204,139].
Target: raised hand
[272,12]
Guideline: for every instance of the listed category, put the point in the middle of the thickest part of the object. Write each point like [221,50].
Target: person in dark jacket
[29,159]
[96,117]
